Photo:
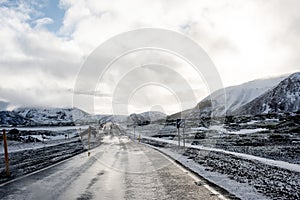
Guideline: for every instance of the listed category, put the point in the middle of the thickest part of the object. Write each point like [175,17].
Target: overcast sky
[45,42]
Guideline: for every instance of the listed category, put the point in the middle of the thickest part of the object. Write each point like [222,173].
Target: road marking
[192,175]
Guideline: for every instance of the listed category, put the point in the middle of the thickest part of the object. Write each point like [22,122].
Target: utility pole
[6,154]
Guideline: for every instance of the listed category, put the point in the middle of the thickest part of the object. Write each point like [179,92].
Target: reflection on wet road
[117,169]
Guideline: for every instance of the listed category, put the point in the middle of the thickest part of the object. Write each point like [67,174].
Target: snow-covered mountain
[35,116]
[272,95]
[51,116]
[146,117]
[8,118]
[230,99]
[112,118]
[237,96]
[285,97]
[153,115]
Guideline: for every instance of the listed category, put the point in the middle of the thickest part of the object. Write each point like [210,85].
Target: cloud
[43,21]
[40,97]
[235,34]
[3,105]
[245,39]
[36,66]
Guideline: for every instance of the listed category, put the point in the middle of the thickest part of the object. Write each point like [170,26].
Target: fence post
[6,153]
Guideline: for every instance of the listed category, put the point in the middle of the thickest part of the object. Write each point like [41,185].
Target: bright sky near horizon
[45,42]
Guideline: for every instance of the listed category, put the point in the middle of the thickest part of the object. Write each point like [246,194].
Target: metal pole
[178,137]
[80,134]
[89,137]
[6,154]
[183,136]
[134,132]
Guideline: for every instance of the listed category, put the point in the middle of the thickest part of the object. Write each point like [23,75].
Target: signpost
[180,123]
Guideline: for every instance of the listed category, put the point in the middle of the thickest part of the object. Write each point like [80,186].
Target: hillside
[285,97]
[234,97]
[146,117]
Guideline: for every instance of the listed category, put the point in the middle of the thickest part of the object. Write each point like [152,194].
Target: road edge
[212,187]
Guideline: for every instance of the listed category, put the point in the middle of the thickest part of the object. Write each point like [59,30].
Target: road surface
[117,169]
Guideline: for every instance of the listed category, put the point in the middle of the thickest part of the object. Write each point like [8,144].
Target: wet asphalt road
[117,169]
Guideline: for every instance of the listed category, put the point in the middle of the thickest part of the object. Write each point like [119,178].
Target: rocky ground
[43,154]
[271,136]
[24,162]
[272,181]
[267,145]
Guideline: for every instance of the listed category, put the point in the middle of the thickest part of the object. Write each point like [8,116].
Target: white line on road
[196,178]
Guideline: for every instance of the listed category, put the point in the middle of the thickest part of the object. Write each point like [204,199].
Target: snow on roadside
[199,129]
[52,140]
[277,163]
[47,128]
[56,137]
[221,129]
[240,190]
[248,131]
[14,146]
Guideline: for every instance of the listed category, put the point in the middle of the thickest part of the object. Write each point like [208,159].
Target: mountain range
[146,117]
[283,98]
[34,116]
[28,116]
[261,96]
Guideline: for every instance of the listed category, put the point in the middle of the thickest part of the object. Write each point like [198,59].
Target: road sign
[180,123]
